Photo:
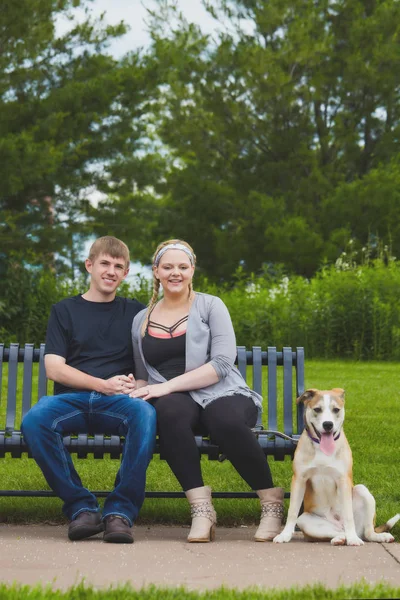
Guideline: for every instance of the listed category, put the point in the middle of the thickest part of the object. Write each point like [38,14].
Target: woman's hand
[147,392]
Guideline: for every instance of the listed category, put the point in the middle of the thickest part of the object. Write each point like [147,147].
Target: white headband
[173,247]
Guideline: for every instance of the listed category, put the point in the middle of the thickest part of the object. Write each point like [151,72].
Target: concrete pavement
[31,554]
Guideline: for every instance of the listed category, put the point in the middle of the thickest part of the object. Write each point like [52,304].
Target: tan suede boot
[271,514]
[203,514]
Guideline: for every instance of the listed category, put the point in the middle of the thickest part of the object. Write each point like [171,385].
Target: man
[89,357]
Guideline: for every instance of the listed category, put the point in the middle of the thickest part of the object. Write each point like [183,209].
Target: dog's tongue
[327,443]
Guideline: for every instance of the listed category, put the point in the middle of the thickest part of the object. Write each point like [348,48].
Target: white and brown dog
[334,509]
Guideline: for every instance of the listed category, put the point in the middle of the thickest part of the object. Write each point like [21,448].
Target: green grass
[314,592]
[372,427]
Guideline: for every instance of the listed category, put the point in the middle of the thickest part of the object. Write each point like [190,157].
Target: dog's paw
[282,538]
[339,540]
[354,540]
[385,538]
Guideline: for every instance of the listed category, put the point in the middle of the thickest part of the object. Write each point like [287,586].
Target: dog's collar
[316,440]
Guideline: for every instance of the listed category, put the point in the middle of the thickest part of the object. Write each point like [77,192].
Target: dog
[334,509]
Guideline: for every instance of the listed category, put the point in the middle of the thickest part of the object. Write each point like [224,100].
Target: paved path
[160,555]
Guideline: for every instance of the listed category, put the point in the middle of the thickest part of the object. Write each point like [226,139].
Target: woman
[185,347]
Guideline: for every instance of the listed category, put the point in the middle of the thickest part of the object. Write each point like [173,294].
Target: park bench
[281,408]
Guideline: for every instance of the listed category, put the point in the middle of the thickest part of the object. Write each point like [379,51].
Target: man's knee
[148,413]
[144,413]
[32,420]
[40,417]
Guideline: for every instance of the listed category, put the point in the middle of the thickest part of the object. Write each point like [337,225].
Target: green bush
[352,313]
[26,297]
[346,310]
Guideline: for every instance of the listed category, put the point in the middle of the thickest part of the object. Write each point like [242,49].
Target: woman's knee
[227,426]
[172,411]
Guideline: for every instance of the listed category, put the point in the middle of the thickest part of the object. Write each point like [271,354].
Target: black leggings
[227,420]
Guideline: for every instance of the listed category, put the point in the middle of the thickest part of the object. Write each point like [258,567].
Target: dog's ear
[339,392]
[307,396]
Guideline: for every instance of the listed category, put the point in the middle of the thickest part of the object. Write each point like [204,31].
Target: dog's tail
[388,525]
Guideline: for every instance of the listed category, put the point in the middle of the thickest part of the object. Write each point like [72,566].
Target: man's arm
[57,370]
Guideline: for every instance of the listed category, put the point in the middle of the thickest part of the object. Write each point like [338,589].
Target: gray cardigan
[210,338]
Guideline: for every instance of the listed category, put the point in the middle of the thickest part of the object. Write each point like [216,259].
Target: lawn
[372,424]
[312,592]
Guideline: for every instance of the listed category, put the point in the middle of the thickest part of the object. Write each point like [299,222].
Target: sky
[134,13]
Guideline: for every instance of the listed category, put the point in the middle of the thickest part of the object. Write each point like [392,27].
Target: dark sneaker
[85,525]
[117,530]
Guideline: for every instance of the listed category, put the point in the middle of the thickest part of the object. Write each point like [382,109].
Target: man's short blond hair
[112,246]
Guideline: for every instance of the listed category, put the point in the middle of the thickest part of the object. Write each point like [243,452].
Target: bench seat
[284,369]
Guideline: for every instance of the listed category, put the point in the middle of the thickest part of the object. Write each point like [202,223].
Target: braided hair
[156,281]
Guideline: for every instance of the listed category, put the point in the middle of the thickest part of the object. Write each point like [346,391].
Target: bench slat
[300,387]
[42,384]
[12,388]
[257,376]
[1,368]
[257,370]
[272,389]
[287,391]
[98,451]
[82,443]
[242,361]
[27,380]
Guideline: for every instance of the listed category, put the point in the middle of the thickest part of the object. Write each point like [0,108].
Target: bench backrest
[291,361]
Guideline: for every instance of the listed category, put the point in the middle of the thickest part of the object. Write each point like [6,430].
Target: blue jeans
[90,412]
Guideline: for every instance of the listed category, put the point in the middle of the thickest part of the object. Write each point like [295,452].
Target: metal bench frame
[274,443]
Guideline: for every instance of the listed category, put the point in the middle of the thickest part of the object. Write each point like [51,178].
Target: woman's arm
[223,340]
[192,380]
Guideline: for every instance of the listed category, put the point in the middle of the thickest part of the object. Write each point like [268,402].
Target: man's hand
[147,392]
[119,384]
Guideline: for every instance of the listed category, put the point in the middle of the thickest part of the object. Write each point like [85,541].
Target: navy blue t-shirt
[93,337]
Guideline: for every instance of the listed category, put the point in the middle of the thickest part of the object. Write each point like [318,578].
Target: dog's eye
[336,410]
[317,410]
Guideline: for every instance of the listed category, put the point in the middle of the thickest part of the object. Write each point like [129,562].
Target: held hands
[148,392]
[119,384]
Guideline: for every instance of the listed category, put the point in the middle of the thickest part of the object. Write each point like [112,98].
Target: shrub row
[352,313]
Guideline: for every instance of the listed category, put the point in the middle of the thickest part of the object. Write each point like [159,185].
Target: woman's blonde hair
[156,282]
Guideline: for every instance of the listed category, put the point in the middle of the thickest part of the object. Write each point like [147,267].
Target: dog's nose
[327,425]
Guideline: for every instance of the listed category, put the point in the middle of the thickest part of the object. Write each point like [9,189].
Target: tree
[260,128]
[368,207]
[68,112]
